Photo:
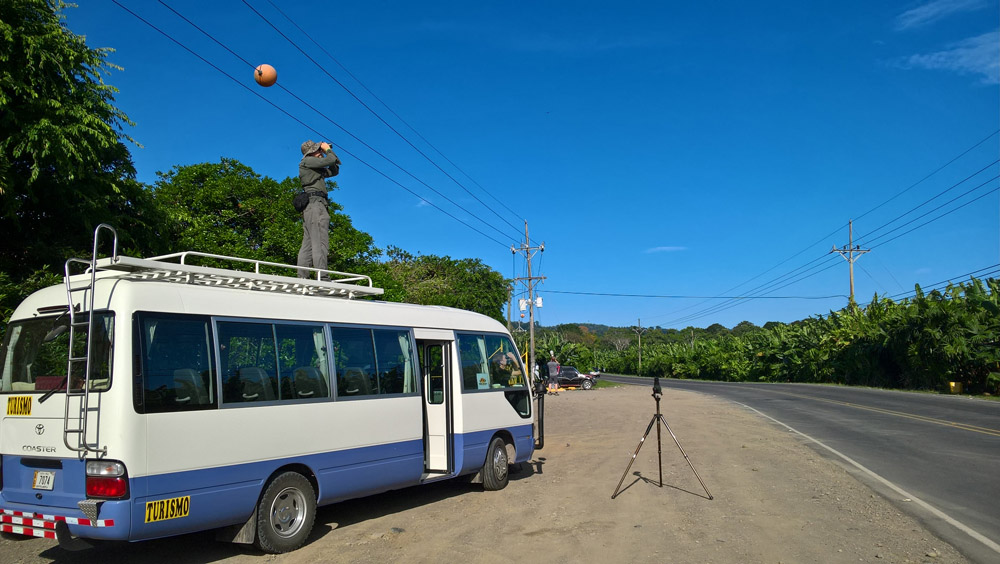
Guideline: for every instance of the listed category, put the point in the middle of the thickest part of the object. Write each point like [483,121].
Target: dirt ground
[776,500]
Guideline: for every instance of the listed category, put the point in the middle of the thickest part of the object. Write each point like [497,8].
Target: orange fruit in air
[265,75]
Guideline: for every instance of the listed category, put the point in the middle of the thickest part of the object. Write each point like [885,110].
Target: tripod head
[657,392]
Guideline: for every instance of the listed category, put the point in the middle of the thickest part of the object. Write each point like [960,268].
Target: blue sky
[695,150]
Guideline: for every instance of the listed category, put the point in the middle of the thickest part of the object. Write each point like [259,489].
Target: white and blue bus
[153,397]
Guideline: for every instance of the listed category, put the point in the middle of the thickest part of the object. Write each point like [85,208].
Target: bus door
[438,431]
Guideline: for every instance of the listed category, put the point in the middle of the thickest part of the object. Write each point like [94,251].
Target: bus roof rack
[175,268]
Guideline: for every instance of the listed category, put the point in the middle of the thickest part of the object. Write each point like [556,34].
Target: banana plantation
[925,342]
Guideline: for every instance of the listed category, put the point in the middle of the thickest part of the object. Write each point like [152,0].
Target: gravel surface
[775,500]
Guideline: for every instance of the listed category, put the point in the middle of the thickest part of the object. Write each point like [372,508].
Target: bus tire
[496,470]
[285,514]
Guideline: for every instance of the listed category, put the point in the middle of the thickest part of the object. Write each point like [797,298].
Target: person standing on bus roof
[553,367]
[318,163]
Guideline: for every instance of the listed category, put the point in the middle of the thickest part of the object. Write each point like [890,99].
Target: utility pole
[639,331]
[529,281]
[850,252]
[510,303]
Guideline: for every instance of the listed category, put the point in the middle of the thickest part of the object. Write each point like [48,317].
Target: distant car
[569,376]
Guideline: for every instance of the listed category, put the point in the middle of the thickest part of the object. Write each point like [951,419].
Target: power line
[720,307]
[760,291]
[935,171]
[932,220]
[310,128]
[386,106]
[699,315]
[726,305]
[374,113]
[686,297]
[929,200]
[980,274]
[870,275]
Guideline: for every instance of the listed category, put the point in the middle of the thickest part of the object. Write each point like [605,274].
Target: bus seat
[255,384]
[307,382]
[355,382]
[22,386]
[189,387]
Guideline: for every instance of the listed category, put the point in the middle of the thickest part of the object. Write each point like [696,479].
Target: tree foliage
[228,209]
[64,167]
[433,280]
[921,343]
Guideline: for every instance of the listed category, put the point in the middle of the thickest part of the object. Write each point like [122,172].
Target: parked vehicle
[152,397]
[569,376]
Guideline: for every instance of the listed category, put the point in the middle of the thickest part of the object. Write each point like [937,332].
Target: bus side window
[395,362]
[177,368]
[303,368]
[247,358]
[355,356]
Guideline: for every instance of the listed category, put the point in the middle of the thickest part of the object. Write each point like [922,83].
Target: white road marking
[906,495]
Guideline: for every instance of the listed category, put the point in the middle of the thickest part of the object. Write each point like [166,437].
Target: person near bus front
[318,163]
[553,367]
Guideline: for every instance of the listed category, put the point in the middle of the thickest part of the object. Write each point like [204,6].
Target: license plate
[44,480]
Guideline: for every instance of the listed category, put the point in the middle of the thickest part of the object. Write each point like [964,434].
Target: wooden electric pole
[850,252]
[639,331]
[529,281]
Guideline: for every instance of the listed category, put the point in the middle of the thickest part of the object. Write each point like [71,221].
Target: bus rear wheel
[285,514]
[496,469]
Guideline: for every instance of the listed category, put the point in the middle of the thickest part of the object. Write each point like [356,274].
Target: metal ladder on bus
[79,407]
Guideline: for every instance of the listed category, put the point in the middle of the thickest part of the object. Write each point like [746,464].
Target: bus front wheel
[285,514]
[496,469]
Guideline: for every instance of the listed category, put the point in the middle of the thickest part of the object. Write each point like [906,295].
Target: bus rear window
[176,364]
[35,352]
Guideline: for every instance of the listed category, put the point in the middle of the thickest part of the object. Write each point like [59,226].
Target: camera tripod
[657,393]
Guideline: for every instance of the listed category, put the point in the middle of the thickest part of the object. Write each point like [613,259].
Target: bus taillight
[106,479]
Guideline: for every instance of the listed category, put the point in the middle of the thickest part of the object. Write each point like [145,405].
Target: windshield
[34,354]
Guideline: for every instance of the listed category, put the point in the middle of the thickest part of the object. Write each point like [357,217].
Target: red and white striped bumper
[41,525]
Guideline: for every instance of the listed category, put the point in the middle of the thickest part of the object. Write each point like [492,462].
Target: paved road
[937,456]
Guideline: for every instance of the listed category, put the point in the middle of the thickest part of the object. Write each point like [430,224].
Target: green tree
[64,167]
[744,327]
[228,209]
[433,280]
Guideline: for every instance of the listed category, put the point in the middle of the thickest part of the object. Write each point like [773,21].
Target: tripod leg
[659,451]
[664,421]
[634,454]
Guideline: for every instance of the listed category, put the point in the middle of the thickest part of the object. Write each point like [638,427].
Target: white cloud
[664,249]
[976,55]
[936,10]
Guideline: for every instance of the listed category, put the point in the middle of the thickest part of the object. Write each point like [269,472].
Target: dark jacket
[313,172]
